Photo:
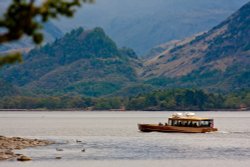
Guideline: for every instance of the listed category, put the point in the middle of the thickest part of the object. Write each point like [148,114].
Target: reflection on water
[113,138]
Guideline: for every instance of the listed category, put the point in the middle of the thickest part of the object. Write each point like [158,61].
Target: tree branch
[10,59]
[21,19]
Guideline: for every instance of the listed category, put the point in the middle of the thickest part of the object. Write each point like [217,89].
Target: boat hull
[174,129]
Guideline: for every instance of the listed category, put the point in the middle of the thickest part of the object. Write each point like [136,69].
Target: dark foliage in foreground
[20,19]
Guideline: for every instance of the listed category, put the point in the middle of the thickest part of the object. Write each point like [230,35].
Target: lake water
[112,139]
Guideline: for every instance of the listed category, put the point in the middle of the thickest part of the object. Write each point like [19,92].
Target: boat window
[185,123]
[175,123]
[190,124]
[206,123]
[211,123]
[180,123]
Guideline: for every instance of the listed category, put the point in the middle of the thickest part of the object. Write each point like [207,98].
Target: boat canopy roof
[190,119]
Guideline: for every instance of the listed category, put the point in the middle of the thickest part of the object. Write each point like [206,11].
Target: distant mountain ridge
[219,58]
[163,48]
[143,24]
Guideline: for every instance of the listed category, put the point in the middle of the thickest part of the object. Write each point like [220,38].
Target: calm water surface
[112,139]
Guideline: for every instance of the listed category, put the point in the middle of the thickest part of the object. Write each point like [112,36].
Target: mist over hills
[138,24]
[143,24]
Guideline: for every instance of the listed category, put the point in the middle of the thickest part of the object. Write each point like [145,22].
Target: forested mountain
[143,24]
[85,62]
[217,59]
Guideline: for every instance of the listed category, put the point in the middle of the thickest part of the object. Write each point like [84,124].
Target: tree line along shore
[160,100]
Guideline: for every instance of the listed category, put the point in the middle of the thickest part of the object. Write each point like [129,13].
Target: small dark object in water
[24,158]
[59,149]
[58,157]
[83,150]
[78,141]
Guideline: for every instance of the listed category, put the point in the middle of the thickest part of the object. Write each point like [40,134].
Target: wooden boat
[178,123]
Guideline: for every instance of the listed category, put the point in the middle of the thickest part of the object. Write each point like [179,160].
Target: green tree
[168,104]
[25,17]
[246,100]
[232,101]
[137,103]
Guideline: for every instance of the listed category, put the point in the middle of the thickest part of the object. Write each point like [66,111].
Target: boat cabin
[190,121]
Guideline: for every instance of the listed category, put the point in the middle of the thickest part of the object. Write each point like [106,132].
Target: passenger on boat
[160,124]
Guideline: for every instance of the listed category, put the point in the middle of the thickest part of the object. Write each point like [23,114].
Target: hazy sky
[142,24]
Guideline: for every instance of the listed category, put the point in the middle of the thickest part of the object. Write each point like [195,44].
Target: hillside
[217,59]
[85,62]
[166,47]
[143,24]
[7,90]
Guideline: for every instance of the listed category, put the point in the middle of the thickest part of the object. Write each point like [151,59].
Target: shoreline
[9,144]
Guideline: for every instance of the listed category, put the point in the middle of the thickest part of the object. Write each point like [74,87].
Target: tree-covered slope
[85,62]
[7,90]
[219,58]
